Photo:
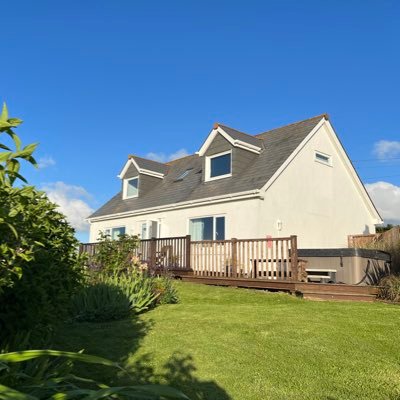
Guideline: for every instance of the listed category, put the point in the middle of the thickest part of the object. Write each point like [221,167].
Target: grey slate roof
[151,165]
[278,146]
[244,137]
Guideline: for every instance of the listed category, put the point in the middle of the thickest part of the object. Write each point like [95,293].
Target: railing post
[294,258]
[188,246]
[153,252]
[234,257]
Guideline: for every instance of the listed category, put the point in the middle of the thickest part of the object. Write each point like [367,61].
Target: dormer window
[219,166]
[131,187]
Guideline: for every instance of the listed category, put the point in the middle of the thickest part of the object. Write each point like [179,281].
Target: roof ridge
[180,158]
[143,158]
[234,129]
[324,115]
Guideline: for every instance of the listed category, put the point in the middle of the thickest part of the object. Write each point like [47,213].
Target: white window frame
[148,224]
[328,156]
[126,182]
[208,167]
[214,217]
[110,229]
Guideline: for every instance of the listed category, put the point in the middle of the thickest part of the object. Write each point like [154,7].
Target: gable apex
[234,137]
[144,166]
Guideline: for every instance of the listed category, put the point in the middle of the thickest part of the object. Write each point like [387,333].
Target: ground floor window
[114,233]
[207,228]
[149,229]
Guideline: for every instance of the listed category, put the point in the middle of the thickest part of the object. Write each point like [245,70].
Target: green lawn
[227,343]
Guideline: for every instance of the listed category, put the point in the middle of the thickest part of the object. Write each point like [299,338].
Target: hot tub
[352,266]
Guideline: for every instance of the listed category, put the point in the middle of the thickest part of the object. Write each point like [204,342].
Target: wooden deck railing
[269,258]
[167,253]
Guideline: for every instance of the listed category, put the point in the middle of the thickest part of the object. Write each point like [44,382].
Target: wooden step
[312,295]
[336,288]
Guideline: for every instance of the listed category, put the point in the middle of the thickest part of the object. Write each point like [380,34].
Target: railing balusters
[267,258]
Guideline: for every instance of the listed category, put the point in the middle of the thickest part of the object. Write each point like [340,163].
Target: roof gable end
[235,138]
[145,166]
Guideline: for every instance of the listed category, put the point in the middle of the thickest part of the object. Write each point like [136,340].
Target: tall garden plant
[39,265]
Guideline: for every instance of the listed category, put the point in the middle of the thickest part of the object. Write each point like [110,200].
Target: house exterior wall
[318,203]
[241,220]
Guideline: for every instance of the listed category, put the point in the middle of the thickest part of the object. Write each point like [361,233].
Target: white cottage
[293,180]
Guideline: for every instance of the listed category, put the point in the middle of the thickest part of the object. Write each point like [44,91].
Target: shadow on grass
[177,372]
[118,341]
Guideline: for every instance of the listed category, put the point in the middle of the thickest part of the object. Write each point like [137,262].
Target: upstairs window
[219,166]
[131,188]
[323,158]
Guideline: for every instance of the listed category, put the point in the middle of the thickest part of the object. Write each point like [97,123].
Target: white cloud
[162,157]
[386,197]
[46,161]
[386,149]
[72,201]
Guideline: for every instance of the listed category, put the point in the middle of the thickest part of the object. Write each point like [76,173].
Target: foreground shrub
[137,287]
[39,264]
[390,288]
[107,298]
[40,296]
[31,375]
[116,256]
[100,302]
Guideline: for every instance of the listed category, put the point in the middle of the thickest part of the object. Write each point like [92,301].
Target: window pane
[220,165]
[132,187]
[116,232]
[322,157]
[220,228]
[144,231]
[201,228]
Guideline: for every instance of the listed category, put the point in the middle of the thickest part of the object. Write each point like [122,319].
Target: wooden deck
[315,291]
[267,263]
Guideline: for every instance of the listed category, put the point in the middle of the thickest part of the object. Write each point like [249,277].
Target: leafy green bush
[39,264]
[389,288]
[165,289]
[41,294]
[116,256]
[31,375]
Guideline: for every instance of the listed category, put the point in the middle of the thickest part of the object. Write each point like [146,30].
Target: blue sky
[97,80]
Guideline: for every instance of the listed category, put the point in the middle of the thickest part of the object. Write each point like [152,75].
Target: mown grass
[227,343]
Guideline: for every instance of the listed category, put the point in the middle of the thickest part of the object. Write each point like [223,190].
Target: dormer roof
[145,166]
[234,137]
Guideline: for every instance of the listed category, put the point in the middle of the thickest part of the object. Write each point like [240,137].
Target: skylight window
[183,174]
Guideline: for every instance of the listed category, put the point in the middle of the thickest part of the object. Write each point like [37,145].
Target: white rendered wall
[241,220]
[318,203]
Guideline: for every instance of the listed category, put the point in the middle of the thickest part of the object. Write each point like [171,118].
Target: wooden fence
[390,238]
[268,258]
